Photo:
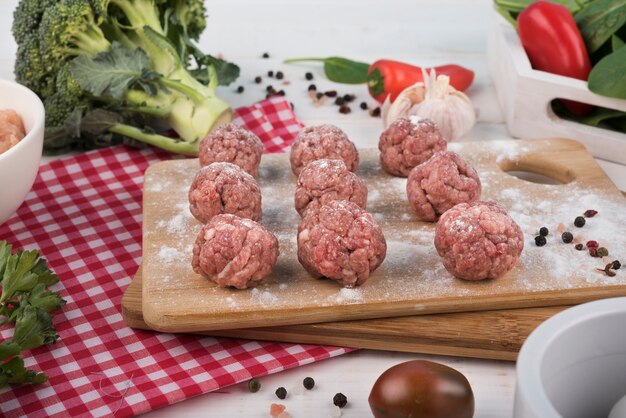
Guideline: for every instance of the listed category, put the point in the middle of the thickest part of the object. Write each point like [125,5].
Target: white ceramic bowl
[574,364]
[19,165]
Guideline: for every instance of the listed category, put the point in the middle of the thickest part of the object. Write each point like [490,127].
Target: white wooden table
[417,31]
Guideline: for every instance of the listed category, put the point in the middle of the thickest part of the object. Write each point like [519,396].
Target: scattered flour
[349,295]
[169,255]
[264,297]
[373,196]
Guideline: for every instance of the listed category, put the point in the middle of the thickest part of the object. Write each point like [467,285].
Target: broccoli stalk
[127,57]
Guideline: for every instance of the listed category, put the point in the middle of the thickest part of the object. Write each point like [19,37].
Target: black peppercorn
[319,95]
[579,247]
[281,393]
[345,109]
[602,252]
[349,97]
[265,55]
[258,79]
[312,87]
[270,73]
[279,75]
[340,400]
[308,76]
[567,237]
[616,265]
[331,93]
[308,383]
[339,101]
[269,88]
[254,385]
[240,89]
[281,92]
[540,240]
[363,105]
[579,221]
[543,231]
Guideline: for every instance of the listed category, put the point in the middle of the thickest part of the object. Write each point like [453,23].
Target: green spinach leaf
[608,76]
[616,42]
[600,19]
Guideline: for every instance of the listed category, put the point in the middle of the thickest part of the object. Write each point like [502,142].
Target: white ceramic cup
[574,364]
[19,164]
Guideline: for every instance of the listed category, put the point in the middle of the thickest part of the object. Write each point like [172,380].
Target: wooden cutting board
[412,280]
[495,335]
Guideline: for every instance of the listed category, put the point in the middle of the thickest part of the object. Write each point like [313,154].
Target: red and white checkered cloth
[84,214]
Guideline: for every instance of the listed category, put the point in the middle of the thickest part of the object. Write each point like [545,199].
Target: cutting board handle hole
[538,171]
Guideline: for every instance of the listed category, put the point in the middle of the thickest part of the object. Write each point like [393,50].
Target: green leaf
[616,43]
[340,70]
[43,299]
[99,121]
[17,276]
[600,19]
[13,371]
[33,328]
[110,73]
[516,6]
[599,115]
[9,349]
[608,76]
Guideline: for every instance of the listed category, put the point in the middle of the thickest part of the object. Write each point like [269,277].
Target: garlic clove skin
[404,105]
[451,110]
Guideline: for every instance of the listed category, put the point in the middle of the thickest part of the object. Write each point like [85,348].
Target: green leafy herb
[340,70]
[608,76]
[600,19]
[616,43]
[27,303]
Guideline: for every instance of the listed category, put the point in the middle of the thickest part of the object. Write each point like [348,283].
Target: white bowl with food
[574,364]
[19,158]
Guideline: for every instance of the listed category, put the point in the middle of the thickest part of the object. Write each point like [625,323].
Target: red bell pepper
[387,77]
[554,44]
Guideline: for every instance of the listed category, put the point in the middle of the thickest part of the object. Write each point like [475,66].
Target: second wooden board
[411,280]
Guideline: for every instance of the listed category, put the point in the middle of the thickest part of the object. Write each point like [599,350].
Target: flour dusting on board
[412,270]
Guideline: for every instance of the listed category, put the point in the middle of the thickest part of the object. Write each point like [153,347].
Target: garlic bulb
[451,110]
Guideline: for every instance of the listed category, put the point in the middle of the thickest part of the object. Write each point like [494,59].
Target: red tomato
[554,44]
[387,77]
[421,388]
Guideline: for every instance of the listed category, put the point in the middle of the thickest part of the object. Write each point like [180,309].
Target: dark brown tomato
[424,389]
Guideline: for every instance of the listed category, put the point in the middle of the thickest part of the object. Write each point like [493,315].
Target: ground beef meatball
[408,142]
[232,144]
[224,188]
[233,251]
[478,241]
[342,242]
[443,181]
[323,181]
[323,141]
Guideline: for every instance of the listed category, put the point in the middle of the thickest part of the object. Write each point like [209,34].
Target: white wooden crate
[525,95]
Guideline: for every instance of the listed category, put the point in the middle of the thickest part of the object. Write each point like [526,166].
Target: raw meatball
[233,251]
[408,142]
[342,242]
[11,129]
[323,141]
[232,144]
[224,188]
[323,181]
[443,181]
[478,241]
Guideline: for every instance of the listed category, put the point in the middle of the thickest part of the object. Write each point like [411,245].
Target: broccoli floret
[67,96]
[127,57]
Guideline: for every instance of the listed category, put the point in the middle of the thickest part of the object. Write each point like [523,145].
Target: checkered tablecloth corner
[273,121]
[84,214]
